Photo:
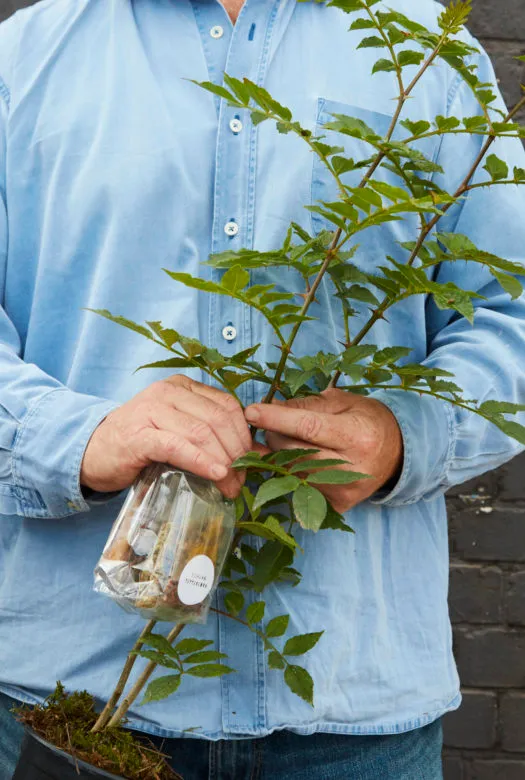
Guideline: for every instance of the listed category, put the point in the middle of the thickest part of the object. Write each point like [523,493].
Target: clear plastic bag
[167,548]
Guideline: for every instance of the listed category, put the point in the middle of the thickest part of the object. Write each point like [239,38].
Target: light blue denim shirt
[112,166]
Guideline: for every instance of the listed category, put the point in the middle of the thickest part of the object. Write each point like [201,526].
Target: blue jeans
[415,755]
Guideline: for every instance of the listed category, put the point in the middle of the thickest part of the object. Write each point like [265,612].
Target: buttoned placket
[240,51]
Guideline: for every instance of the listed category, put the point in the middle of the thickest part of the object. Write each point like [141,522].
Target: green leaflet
[309,507]
[161,688]
[300,682]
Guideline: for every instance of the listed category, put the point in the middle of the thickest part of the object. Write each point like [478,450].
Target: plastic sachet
[167,547]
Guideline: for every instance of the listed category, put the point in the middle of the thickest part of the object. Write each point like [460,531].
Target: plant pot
[39,760]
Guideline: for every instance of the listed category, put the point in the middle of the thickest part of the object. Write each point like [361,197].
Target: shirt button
[229,333]
[236,126]
[231,229]
[217,31]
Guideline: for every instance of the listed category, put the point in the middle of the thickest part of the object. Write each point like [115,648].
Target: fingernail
[218,471]
[252,414]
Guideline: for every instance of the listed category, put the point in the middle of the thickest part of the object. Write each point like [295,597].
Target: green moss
[66,719]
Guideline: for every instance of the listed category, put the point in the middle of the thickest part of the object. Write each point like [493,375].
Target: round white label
[196,580]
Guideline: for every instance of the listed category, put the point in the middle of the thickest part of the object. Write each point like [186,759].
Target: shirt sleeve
[445,445]
[44,426]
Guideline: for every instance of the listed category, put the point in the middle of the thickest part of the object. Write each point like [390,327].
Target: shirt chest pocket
[324,185]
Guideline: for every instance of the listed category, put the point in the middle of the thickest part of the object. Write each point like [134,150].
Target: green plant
[292,477]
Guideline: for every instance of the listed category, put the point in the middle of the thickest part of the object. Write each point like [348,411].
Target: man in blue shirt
[114,165]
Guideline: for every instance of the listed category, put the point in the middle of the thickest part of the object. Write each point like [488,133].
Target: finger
[310,426]
[161,446]
[227,402]
[212,414]
[200,435]
[232,407]
[331,401]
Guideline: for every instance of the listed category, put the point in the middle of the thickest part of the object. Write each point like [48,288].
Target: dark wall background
[485,739]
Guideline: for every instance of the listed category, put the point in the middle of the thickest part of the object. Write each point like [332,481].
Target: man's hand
[176,421]
[340,425]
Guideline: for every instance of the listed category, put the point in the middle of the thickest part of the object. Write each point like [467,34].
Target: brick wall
[485,739]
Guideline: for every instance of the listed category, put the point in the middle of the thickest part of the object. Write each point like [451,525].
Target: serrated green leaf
[416,128]
[271,559]
[275,660]
[191,645]
[158,658]
[300,682]
[456,299]
[497,169]
[161,644]
[357,353]
[336,522]
[234,602]
[204,657]
[510,284]
[277,626]
[343,164]
[409,57]
[474,123]
[310,507]
[390,355]
[235,279]
[510,428]
[383,65]
[124,322]
[209,670]
[161,688]
[446,123]
[216,89]
[255,612]
[358,293]
[170,363]
[372,42]
[335,477]
[302,643]
[501,407]
[275,488]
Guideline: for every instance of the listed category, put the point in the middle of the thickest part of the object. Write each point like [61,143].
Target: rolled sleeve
[47,455]
[428,430]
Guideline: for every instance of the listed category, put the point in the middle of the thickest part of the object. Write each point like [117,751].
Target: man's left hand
[340,425]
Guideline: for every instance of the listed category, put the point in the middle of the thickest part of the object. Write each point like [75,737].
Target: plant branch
[105,715]
[120,713]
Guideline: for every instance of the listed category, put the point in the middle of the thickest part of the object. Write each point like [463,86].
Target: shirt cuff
[428,429]
[48,452]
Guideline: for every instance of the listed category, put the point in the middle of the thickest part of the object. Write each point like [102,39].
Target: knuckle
[158,390]
[221,418]
[201,432]
[308,426]
[231,405]
[174,446]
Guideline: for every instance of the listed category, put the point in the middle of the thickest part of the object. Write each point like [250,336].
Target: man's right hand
[176,421]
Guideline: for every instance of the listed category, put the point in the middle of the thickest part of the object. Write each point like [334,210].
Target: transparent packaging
[166,550]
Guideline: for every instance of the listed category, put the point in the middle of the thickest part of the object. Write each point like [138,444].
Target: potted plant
[176,538]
